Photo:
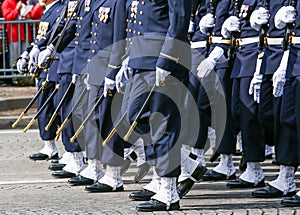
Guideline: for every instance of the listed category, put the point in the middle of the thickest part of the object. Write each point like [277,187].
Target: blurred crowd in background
[15,37]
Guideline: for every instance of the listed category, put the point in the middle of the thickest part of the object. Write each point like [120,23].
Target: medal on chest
[133,10]
[104,14]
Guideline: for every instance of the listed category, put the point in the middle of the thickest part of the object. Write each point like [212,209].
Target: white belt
[247,41]
[273,41]
[199,44]
[295,40]
[219,40]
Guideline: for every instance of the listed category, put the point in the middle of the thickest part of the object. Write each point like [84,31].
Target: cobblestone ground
[26,187]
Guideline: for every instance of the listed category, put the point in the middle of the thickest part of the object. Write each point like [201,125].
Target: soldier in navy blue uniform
[107,46]
[289,112]
[244,108]
[269,107]
[193,162]
[66,68]
[49,78]
[165,61]
[132,151]
[215,91]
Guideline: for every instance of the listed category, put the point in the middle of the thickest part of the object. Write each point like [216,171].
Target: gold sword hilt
[29,125]
[72,139]
[61,128]
[131,129]
[108,138]
[53,117]
[44,84]
[18,120]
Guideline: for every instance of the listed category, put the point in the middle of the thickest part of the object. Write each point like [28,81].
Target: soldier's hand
[86,81]
[231,24]
[254,88]
[109,84]
[279,75]
[206,22]
[33,58]
[44,55]
[278,83]
[160,76]
[120,80]
[208,64]
[259,17]
[75,78]
[22,63]
[286,14]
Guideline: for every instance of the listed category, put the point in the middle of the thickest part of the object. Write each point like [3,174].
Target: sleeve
[9,11]
[175,49]
[36,12]
[118,46]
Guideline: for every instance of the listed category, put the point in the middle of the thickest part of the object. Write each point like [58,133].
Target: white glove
[254,88]
[208,64]
[86,81]
[259,17]
[21,64]
[119,83]
[191,27]
[231,24]
[44,55]
[206,22]
[286,14]
[74,78]
[279,75]
[108,85]
[160,76]
[33,58]
[128,71]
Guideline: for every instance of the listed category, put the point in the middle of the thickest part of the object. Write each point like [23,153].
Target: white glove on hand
[33,58]
[254,88]
[259,17]
[206,22]
[119,83]
[160,76]
[208,64]
[128,71]
[108,85]
[279,75]
[74,78]
[231,24]
[21,64]
[44,55]
[86,81]
[286,14]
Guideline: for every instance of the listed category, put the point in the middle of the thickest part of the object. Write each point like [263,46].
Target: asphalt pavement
[26,187]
